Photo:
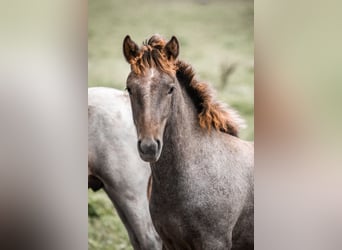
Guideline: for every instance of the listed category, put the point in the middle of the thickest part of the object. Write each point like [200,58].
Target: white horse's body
[114,161]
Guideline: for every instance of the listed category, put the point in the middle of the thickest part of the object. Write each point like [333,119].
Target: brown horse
[202,191]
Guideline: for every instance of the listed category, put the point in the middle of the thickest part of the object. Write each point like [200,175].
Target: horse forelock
[152,55]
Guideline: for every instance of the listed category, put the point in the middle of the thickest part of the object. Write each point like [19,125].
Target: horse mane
[211,113]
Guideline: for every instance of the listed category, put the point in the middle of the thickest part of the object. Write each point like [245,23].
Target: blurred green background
[216,38]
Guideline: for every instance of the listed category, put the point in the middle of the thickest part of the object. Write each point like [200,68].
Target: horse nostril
[139,145]
[158,142]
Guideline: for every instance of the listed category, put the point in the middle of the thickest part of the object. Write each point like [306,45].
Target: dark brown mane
[211,113]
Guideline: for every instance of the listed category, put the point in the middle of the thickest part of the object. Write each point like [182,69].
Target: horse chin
[151,158]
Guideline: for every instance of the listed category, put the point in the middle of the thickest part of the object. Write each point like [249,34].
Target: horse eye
[171,90]
[129,90]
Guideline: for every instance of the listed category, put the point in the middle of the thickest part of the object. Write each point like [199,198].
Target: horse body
[113,163]
[202,184]
[202,189]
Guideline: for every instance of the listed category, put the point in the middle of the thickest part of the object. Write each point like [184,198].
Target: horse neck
[183,121]
[180,134]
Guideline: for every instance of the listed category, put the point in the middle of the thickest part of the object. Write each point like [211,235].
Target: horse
[202,173]
[115,166]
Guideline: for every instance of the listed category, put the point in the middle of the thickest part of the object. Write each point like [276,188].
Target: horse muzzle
[149,149]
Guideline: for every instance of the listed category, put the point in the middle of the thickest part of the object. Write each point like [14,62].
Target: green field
[216,37]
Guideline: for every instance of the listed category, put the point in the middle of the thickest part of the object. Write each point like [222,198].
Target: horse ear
[130,49]
[171,49]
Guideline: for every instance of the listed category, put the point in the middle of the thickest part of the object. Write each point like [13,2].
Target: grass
[105,230]
[211,35]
